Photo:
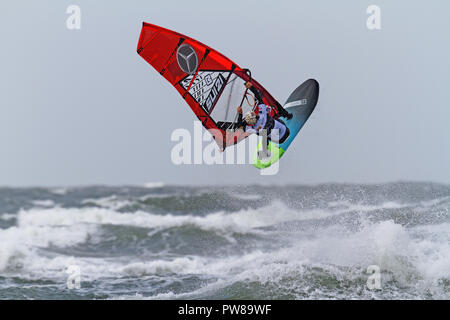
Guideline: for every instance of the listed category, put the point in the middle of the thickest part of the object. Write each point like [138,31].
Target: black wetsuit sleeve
[240,122]
[257,94]
[282,112]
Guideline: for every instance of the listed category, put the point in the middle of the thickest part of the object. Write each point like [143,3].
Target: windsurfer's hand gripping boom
[259,100]
[262,118]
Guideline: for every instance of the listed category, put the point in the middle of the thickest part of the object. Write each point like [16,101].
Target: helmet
[250,118]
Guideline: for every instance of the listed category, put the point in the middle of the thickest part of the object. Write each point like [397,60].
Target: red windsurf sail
[210,83]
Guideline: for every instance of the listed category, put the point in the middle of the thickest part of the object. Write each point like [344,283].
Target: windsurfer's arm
[279,108]
[241,124]
[255,91]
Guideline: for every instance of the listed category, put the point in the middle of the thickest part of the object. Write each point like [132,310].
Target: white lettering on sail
[214,93]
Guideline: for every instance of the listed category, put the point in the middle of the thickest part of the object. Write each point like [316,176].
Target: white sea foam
[347,206]
[59,191]
[251,197]
[152,185]
[435,202]
[18,244]
[43,203]
[7,216]
[244,220]
[111,202]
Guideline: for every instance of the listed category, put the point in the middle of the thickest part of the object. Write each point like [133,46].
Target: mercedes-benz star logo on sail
[187,58]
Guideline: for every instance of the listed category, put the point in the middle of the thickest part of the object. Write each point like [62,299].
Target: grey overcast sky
[80,107]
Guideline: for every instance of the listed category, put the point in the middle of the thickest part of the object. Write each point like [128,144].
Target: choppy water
[254,242]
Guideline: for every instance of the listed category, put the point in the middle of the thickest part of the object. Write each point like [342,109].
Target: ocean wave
[317,267]
[177,243]
[19,245]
